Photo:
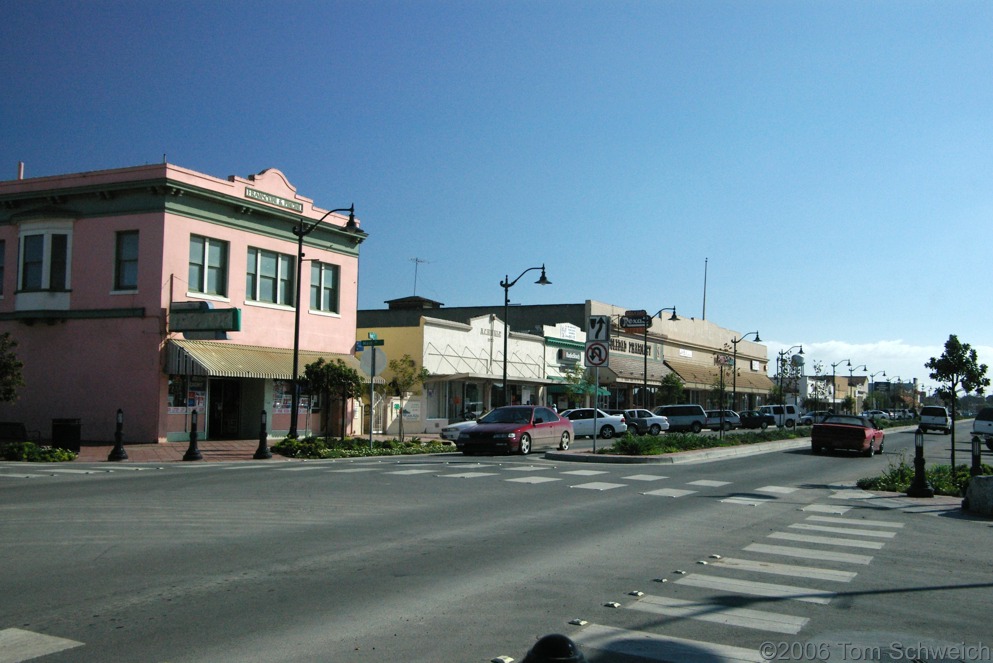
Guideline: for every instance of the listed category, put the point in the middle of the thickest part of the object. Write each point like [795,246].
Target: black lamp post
[872,377]
[851,372]
[919,487]
[262,453]
[977,451]
[193,451]
[648,322]
[301,230]
[834,382]
[118,452]
[734,367]
[507,284]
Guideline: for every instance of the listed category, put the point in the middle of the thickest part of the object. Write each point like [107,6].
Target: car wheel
[870,452]
[790,423]
[727,425]
[564,442]
[655,429]
[881,443]
[525,446]
[607,432]
[696,427]
[817,450]
[764,425]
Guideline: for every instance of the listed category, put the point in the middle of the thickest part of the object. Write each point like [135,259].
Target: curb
[695,456]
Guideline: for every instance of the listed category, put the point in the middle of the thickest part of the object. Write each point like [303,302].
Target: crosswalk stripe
[853,521]
[785,569]
[827,508]
[468,475]
[585,473]
[409,472]
[18,645]
[533,479]
[758,588]
[669,492]
[809,553]
[748,501]
[711,612]
[645,477]
[844,530]
[827,540]
[599,485]
[651,647]
[779,490]
[710,483]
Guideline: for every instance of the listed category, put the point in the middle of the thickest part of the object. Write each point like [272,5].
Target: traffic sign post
[372,363]
[597,355]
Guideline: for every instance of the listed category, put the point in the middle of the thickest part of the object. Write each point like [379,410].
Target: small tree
[957,367]
[671,389]
[10,369]
[406,377]
[333,379]
[579,384]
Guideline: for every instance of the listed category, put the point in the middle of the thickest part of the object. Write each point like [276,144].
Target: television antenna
[417,262]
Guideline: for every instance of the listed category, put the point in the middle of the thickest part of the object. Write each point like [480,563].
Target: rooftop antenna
[416,261]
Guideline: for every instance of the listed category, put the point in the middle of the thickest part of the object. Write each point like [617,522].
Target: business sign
[273,200]
[197,320]
[636,320]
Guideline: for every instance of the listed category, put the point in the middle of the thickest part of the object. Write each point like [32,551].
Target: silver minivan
[785,415]
[684,417]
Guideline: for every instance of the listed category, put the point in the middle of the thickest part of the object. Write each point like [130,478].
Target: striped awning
[221,359]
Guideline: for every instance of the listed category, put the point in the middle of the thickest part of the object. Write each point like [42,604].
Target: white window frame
[317,303]
[200,289]
[47,230]
[284,280]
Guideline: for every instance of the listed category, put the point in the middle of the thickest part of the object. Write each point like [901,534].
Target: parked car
[846,431]
[982,426]
[876,414]
[935,417]
[683,417]
[642,421]
[756,419]
[451,432]
[786,415]
[607,425]
[516,428]
[726,419]
[812,417]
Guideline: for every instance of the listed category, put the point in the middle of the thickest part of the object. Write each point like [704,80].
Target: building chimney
[20,170]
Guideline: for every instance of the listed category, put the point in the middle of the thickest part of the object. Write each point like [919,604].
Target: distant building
[162,291]
[462,349]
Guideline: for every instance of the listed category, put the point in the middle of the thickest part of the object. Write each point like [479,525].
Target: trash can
[66,434]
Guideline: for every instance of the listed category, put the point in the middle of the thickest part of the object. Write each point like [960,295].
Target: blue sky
[831,163]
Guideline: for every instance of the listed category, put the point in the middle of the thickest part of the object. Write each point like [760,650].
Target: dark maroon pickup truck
[849,432]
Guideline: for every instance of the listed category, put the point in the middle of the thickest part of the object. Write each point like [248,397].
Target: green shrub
[900,474]
[319,447]
[33,453]
[666,443]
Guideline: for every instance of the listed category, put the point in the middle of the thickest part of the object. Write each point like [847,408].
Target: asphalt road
[450,559]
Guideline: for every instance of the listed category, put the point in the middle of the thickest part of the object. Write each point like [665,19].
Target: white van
[785,415]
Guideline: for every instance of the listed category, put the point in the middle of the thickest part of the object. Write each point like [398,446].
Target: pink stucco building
[100,270]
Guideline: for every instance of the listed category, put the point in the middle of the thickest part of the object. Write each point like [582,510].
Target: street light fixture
[782,366]
[734,367]
[644,349]
[507,284]
[872,377]
[301,230]
[889,389]
[834,381]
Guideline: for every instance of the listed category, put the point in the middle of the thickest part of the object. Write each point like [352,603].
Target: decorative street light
[301,230]
[851,372]
[507,284]
[782,366]
[873,391]
[734,367]
[834,382]
[644,349]
[889,389]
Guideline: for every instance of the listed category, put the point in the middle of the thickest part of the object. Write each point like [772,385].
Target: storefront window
[187,392]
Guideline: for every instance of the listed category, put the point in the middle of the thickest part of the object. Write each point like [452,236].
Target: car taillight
[623,420]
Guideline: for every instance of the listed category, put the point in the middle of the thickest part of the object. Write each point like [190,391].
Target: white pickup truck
[982,426]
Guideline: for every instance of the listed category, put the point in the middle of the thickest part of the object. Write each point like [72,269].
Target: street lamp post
[851,372]
[889,389]
[301,230]
[734,367]
[644,350]
[507,284]
[872,377]
[834,381]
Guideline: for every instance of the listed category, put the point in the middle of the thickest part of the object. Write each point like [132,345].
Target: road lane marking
[752,588]
[785,569]
[645,477]
[585,473]
[533,479]
[712,612]
[599,485]
[670,492]
[853,521]
[468,475]
[827,508]
[408,472]
[844,530]
[826,540]
[651,647]
[710,483]
[809,553]
[748,501]
[777,490]
[17,645]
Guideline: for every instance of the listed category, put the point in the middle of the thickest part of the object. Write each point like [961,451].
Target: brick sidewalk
[169,452]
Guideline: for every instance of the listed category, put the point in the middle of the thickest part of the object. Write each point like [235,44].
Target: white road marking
[844,530]
[785,569]
[747,501]
[645,477]
[809,553]
[712,612]
[778,490]
[804,594]
[405,472]
[585,473]
[709,483]
[599,485]
[826,540]
[533,479]
[17,645]
[469,475]
[853,521]
[651,647]
[670,492]
[827,508]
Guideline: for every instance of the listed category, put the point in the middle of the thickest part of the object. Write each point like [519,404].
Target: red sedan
[516,429]
[842,431]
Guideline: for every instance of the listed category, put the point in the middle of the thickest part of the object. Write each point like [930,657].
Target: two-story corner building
[161,291]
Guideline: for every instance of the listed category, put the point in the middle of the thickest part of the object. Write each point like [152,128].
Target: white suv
[608,425]
[982,426]
[935,417]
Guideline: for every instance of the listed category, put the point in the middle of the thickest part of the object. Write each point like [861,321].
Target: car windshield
[508,415]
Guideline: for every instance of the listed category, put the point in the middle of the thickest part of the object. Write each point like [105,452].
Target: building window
[324,287]
[44,262]
[126,261]
[269,277]
[208,266]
